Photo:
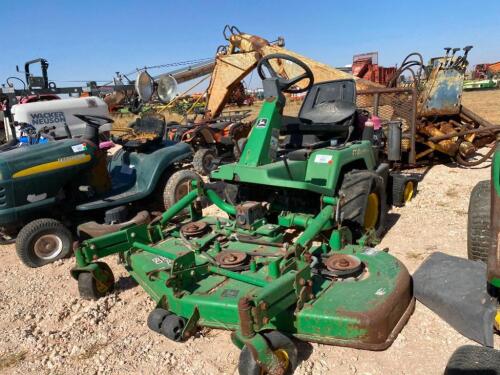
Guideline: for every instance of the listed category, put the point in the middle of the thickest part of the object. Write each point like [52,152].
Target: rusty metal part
[343,265]
[466,149]
[245,315]
[446,146]
[194,229]
[231,259]
[484,130]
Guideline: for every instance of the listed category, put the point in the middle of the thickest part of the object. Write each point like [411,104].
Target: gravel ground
[46,328]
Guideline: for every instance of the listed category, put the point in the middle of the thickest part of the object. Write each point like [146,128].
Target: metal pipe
[315,226]
[491,130]
[394,141]
[237,276]
[475,117]
[413,127]
[153,250]
[224,206]
[178,206]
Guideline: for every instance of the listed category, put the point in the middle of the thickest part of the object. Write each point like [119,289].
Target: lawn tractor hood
[33,176]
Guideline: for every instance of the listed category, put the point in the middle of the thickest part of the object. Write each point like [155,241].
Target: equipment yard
[47,328]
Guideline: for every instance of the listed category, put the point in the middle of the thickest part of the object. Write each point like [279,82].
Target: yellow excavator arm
[234,62]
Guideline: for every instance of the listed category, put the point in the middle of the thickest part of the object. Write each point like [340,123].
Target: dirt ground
[46,328]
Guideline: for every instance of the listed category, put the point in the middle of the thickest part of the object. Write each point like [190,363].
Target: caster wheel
[283,348]
[155,319]
[91,288]
[172,327]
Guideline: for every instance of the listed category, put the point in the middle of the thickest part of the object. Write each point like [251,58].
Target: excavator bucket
[455,289]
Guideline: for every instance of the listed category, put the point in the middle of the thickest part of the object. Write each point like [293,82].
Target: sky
[91,39]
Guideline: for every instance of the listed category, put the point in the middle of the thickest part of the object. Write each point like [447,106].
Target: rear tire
[479,222]
[43,241]
[204,161]
[470,359]
[178,185]
[365,205]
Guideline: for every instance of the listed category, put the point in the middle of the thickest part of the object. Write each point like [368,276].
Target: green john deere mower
[293,258]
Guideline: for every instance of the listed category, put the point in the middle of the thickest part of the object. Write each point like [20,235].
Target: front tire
[479,222]
[283,347]
[43,241]
[204,161]
[91,288]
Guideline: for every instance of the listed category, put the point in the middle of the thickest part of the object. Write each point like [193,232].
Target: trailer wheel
[283,348]
[403,189]
[43,241]
[172,327]
[155,319]
[178,185]
[204,161]
[479,222]
[90,287]
[472,359]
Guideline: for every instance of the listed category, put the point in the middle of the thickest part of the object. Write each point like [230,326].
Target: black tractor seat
[144,132]
[328,112]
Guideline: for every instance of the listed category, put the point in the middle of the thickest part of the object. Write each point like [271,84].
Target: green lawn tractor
[46,190]
[293,258]
[465,293]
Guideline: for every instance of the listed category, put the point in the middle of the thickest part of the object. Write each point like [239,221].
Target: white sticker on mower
[36,197]
[381,292]
[323,159]
[261,123]
[79,148]
[161,260]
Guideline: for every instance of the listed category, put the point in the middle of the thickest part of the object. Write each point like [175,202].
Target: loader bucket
[456,290]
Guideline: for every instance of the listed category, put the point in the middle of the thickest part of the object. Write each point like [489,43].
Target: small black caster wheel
[95,286]
[172,327]
[155,319]
[282,346]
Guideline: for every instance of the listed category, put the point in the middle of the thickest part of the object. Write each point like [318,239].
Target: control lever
[453,52]
[443,64]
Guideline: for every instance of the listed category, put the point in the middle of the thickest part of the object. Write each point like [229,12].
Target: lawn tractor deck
[256,278]
[293,258]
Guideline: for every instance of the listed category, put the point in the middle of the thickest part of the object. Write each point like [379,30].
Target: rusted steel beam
[475,117]
[385,90]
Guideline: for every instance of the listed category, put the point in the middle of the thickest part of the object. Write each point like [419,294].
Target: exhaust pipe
[394,141]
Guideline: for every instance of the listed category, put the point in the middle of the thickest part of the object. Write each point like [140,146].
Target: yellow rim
[282,357]
[408,192]
[372,211]
[497,320]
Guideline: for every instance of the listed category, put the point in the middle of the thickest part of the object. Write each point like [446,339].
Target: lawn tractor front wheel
[204,161]
[95,286]
[172,327]
[178,185]
[282,346]
[43,241]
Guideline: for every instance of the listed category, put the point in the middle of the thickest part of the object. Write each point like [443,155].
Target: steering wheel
[285,84]
[94,120]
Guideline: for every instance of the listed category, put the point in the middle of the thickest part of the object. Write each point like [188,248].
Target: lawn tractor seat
[93,229]
[144,132]
[328,111]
